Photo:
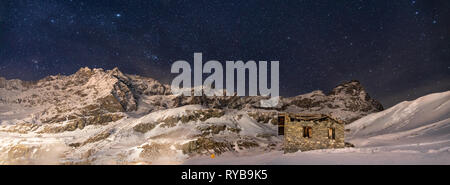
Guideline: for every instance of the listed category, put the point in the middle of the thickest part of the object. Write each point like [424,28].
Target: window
[280,125]
[331,133]
[280,120]
[307,132]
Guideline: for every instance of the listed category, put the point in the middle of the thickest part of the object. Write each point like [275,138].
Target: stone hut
[310,132]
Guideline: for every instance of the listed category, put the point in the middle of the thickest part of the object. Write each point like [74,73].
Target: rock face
[348,102]
[357,98]
[91,92]
[15,84]
[88,92]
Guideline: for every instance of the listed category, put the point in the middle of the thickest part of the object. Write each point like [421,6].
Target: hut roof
[313,117]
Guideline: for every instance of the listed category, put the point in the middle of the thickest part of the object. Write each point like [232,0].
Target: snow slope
[426,119]
[412,132]
[120,142]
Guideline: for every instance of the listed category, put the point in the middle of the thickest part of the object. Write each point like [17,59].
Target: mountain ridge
[129,91]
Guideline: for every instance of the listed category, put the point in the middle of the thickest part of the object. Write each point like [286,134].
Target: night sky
[399,50]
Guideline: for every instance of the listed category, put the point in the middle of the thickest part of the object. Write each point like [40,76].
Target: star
[294,33]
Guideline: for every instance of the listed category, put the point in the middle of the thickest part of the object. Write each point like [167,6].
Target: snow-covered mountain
[91,92]
[107,117]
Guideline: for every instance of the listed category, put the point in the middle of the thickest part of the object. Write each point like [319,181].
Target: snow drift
[426,119]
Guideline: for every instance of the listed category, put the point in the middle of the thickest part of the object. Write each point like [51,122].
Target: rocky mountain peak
[15,84]
[352,88]
[98,91]
[84,71]
[355,98]
[115,72]
[347,101]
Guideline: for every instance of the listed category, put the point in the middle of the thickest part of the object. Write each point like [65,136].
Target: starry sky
[399,50]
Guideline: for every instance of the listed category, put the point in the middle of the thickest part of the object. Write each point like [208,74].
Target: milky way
[399,50]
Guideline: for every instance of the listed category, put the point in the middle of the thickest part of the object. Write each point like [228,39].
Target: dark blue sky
[399,50]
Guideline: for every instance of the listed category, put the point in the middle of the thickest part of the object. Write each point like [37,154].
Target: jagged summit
[87,92]
[113,91]
[347,101]
[352,87]
[85,70]
[355,89]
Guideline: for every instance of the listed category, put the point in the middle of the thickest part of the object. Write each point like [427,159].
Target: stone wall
[294,140]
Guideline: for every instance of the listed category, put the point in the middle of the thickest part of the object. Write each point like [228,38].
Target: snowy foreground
[425,153]
[414,132]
